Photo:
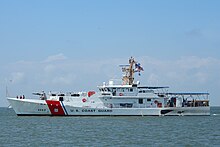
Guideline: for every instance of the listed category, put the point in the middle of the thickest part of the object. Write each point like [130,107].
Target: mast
[129,71]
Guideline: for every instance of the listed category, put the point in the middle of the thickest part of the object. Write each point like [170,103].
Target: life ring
[120,94]
[84,100]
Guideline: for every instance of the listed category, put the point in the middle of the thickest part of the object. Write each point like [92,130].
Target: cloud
[49,68]
[192,62]
[190,69]
[186,74]
[57,57]
[190,73]
[64,79]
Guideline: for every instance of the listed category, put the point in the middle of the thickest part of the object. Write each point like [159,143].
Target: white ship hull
[28,107]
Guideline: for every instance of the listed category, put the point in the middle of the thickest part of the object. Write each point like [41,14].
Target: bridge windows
[60,98]
[126,105]
[75,95]
[61,94]
[140,101]
[146,91]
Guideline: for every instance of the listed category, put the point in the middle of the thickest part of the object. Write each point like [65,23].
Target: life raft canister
[84,100]
[90,93]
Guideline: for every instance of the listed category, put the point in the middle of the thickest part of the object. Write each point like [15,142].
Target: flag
[138,67]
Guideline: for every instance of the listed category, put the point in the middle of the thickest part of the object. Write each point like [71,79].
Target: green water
[109,131]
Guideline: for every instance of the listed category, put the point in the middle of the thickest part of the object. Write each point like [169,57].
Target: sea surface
[187,131]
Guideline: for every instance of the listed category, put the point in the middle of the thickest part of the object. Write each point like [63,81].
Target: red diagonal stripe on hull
[55,107]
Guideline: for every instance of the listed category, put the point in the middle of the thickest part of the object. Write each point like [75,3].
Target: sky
[76,45]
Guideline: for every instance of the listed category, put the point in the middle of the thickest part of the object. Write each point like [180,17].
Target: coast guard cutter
[117,98]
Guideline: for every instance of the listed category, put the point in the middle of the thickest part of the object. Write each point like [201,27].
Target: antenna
[6,88]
